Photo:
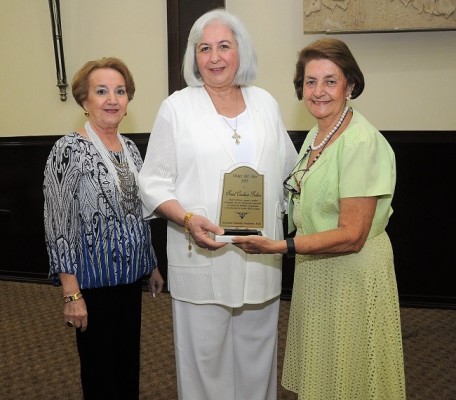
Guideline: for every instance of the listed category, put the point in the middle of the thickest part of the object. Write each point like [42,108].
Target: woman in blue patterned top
[98,243]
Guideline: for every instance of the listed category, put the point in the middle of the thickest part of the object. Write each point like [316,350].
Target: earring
[86,114]
[348,98]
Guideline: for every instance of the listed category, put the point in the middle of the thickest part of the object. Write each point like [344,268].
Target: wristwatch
[291,249]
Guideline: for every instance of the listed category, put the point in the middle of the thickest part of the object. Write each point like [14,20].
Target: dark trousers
[109,349]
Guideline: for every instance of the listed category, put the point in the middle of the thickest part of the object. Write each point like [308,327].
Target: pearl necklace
[332,132]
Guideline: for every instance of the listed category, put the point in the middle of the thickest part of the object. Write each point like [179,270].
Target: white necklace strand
[236,135]
[99,145]
[332,132]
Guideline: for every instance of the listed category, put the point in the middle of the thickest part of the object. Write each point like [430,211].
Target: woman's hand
[76,313]
[155,282]
[254,244]
[200,227]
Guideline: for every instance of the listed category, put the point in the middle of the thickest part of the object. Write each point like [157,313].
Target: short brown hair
[336,51]
[80,84]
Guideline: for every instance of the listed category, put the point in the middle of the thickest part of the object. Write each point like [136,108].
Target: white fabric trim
[101,148]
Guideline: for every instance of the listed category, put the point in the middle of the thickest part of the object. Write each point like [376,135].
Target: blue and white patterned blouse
[87,231]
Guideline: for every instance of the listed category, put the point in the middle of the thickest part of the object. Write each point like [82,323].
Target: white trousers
[225,353]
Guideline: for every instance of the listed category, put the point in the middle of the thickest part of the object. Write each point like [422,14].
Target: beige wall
[410,77]
[133,30]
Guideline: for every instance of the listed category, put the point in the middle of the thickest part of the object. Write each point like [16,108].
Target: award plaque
[241,209]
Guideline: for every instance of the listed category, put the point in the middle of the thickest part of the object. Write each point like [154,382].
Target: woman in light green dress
[344,335]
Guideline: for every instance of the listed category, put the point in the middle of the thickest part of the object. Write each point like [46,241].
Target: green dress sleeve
[367,166]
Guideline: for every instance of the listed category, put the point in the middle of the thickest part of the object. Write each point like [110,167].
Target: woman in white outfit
[225,303]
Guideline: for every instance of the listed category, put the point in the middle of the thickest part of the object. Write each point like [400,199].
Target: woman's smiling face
[325,89]
[107,98]
[217,56]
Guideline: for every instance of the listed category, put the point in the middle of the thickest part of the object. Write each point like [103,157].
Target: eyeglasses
[286,183]
[288,186]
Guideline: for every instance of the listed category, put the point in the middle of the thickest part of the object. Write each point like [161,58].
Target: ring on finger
[70,324]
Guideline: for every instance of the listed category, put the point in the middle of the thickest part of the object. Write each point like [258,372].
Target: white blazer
[185,161]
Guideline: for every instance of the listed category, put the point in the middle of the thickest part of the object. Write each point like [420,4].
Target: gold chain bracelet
[187,229]
[72,297]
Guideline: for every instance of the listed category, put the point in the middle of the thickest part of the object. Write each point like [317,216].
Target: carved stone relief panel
[378,16]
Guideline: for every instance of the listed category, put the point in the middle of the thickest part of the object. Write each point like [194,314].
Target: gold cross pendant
[236,136]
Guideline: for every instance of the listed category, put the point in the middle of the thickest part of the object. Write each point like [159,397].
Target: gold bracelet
[72,297]
[187,229]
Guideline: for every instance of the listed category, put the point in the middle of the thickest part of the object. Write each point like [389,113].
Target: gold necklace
[236,135]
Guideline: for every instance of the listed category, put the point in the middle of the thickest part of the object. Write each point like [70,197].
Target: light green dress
[344,335]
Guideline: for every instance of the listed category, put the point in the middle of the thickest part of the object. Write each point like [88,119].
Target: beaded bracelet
[187,229]
[72,297]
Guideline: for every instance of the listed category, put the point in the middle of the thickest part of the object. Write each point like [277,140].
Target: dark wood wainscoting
[421,228]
